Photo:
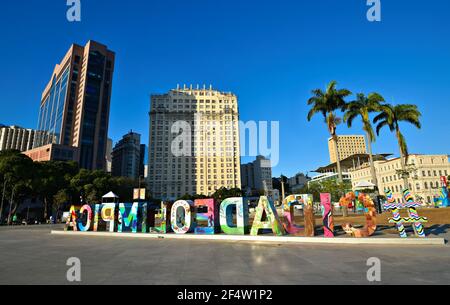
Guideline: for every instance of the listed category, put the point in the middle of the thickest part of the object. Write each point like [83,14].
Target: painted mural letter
[159,222]
[227,217]
[182,217]
[71,220]
[128,217]
[288,214]
[272,222]
[308,211]
[328,223]
[210,216]
[87,226]
[108,215]
[371,218]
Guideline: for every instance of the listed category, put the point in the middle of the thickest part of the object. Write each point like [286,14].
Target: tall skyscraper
[126,156]
[15,137]
[194,142]
[75,105]
[347,146]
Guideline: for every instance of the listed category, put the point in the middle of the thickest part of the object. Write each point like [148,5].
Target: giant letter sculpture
[211,216]
[86,227]
[182,224]
[128,217]
[371,219]
[108,215]
[71,220]
[442,200]
[413,218]
[328,223]
[308,211]
[288,215]
[266,207]
[160,220]
[97,210]
[226,216]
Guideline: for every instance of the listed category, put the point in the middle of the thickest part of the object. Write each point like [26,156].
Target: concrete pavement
[34,256]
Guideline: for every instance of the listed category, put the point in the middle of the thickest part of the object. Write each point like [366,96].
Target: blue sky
[270,53]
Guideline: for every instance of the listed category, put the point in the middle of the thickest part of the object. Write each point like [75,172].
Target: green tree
[51,177]
[15,180]
[224,193]
[328,103]
[390,117]
[362,107]
[62,197]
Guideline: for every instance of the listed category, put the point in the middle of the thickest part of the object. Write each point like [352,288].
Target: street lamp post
[3,199]
[10,205]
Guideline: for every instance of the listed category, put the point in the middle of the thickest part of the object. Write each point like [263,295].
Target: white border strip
[266,239]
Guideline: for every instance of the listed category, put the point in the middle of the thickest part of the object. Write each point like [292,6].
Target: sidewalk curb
[266,239]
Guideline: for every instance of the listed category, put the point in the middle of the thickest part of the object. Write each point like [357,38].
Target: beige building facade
[424,181]
[347,146]
[75,105]
[194,142]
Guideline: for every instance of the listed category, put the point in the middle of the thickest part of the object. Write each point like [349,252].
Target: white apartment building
[424,180]
[17,138]
[194,142]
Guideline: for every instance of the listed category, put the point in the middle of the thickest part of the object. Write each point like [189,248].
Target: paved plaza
[31,255]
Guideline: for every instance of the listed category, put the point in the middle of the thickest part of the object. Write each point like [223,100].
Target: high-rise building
[194,142]
[257,175]
[16,138]
[347,146]
[75,105]
[424,179]
[126,156]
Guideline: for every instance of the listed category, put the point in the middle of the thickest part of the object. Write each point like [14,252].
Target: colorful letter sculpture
[371,219]
[160,219]
[97,210]
[108,215]
[442,200]
[328,223]
[413,218]
[85,208]
[266,207]
[182,223]
[211,216]
[226,216]
[72,220]
[346,201]
[128,217]
[289,204]
[308,212]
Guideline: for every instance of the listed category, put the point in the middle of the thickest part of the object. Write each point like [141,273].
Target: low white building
[424,181]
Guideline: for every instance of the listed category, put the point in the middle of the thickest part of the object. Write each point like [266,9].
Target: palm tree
[362,107]
[391,116]
[327,103]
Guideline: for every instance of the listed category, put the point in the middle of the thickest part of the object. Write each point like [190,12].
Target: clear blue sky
[270,53]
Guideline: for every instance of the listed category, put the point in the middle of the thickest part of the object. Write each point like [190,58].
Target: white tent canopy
[110,195]
[364,185]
